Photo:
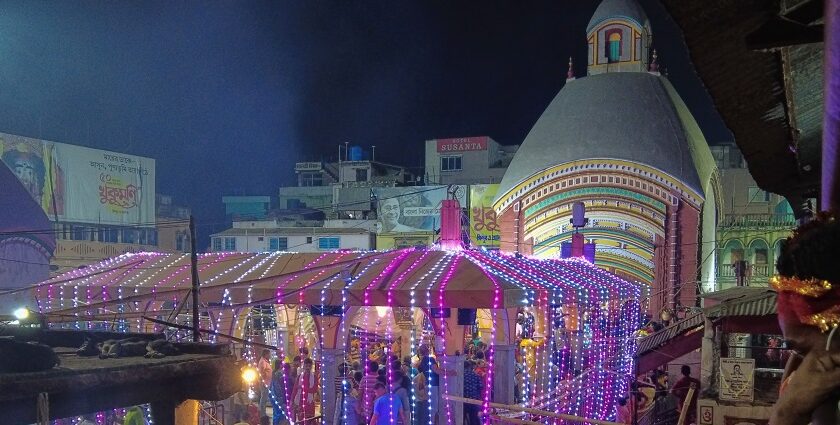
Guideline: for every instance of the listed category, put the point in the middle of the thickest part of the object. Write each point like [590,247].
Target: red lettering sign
[463,144]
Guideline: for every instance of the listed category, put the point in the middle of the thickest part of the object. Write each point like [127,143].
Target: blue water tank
[355,153]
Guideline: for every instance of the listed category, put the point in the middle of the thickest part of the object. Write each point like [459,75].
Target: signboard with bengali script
[736,379]
[484,226]
[83,185]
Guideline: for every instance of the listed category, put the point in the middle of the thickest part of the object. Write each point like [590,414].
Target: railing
[659,338]
[756,275]
[211,414]
[758,221]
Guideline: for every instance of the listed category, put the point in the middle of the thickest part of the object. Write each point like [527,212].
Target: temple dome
[624,115]
[623,9]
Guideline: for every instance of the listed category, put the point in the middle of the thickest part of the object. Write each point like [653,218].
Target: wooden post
[686,404]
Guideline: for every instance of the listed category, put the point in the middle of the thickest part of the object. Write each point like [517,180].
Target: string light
[588,370]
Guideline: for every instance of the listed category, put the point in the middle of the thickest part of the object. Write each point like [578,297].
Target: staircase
[670,343]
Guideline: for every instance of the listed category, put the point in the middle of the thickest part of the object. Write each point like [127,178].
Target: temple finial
[654,65]
[570,74]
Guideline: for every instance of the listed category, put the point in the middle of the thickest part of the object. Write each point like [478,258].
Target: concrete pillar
[504,373]
[452,384]
[707,357]
[187,413]
[163,412]
[283,342]
[333,357]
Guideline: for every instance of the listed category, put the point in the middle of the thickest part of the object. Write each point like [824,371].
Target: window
[450,163]
[278,244]
[230,244]
[309,239]
[129,236]
[361,174]
[181,242]
[328,243]
[614,47]
[311,179]
[761,256]
[110,235]
[756,195]
[217,244]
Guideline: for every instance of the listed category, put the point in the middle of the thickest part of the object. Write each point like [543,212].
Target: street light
[21,313]
[249,375]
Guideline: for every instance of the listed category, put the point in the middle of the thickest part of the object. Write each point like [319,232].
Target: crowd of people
[381,390]
[662,402]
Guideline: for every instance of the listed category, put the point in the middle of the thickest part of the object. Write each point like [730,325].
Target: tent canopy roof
[402,278]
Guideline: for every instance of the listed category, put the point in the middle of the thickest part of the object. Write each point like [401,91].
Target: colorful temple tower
[622,141]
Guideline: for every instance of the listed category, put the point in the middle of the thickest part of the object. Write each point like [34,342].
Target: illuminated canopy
[465,279]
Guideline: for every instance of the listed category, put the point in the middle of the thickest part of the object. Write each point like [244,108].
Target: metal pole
[830,196]
[194,267]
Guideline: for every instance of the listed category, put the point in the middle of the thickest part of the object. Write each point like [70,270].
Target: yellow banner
[484,228]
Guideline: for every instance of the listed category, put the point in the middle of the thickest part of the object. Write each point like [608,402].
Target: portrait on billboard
[34,164]
[79,184]
[393,220]
[411,209]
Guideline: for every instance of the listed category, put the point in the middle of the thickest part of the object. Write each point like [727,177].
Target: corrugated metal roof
[761,304]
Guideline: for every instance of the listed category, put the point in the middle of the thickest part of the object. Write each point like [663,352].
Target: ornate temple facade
[622,141]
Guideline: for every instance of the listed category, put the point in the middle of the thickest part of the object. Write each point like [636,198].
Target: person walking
[680,390]
[473,386]
[366,387]
[398,390]
[428,366]
[387,408]
[266,373]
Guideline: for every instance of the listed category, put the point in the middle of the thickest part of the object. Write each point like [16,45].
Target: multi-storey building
[753,225]
[467,160]
[309,236]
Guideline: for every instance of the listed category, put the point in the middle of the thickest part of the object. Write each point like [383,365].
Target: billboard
[78,184]
[412,209]
[484,227]
[462,144]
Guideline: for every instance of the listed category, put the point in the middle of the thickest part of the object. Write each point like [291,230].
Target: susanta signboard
[78,184]
[462,144]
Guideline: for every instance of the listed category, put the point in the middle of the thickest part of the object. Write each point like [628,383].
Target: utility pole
[194,267]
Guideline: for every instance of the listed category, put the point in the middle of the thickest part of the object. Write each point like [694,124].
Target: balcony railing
[758,221]
[756,275]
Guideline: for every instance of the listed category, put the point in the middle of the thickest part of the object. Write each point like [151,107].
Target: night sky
[227,96]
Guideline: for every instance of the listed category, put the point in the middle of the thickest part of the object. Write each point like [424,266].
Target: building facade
[173,227]
[265,236]
[466,160]
[622,141]
[753,226]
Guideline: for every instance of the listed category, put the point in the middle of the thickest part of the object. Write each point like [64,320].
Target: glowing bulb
[381,311]
[249,375]
[22,313]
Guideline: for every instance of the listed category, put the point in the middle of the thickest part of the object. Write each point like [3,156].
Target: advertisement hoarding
[484,227]
[462,144]
[412,209]
[84,185]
